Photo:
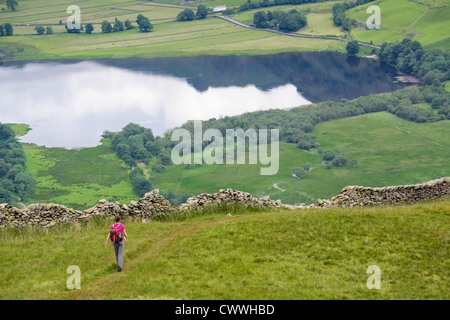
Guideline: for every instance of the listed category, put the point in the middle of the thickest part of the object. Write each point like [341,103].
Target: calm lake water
[70,103]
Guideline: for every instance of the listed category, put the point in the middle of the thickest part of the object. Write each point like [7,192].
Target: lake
[70,103]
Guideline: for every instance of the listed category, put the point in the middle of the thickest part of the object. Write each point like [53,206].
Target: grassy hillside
[309,254]
[425,21]
[79,178]
[169,37]
[409,157]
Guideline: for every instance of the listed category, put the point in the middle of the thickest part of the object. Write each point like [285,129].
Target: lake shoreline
[163,93]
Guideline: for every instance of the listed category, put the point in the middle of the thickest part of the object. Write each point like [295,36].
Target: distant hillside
[426,21]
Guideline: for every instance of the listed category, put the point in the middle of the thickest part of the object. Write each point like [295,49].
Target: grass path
[142,250]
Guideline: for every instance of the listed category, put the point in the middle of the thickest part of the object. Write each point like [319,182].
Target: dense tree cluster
[432,66]
[40,30]
[128,25]
[89,28]
[118,26]
[189,15]
[13,178]
[107,27]
[6,30]
[352,48]
[144,23]
[136,144]
[202,12]
[286,21]
[333,158]
[186,15]
[250,5]
[74,30]
[299,173]
[131,143]
[339,17]
[12,4]
[140,184]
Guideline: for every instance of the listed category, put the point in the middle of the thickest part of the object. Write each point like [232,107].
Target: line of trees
[14,181]
[40,30]
[143,23]
[119,25]
[189,15]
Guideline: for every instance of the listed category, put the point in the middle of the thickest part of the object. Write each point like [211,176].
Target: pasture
[299,254]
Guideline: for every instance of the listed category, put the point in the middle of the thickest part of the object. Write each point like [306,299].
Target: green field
[209,36]
[169,37]
[319,15]
[309,254]
[398,20]
[78,178]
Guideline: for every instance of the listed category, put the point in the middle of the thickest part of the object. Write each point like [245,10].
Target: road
[291,34]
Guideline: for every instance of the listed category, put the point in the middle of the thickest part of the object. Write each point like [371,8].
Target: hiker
[117,234]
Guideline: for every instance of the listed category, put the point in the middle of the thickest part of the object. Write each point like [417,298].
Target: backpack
[114,233]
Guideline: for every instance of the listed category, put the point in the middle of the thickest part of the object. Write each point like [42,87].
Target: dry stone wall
[228,196]
[355,196]
[42,214]
[153,205]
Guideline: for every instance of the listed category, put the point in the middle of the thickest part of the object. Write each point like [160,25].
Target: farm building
[220,8]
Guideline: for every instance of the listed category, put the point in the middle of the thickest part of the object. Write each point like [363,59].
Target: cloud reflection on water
[70,105]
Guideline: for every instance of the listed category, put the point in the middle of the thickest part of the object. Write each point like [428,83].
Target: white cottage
[220,8]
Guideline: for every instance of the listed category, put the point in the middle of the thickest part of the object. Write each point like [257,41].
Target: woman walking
[117,234]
